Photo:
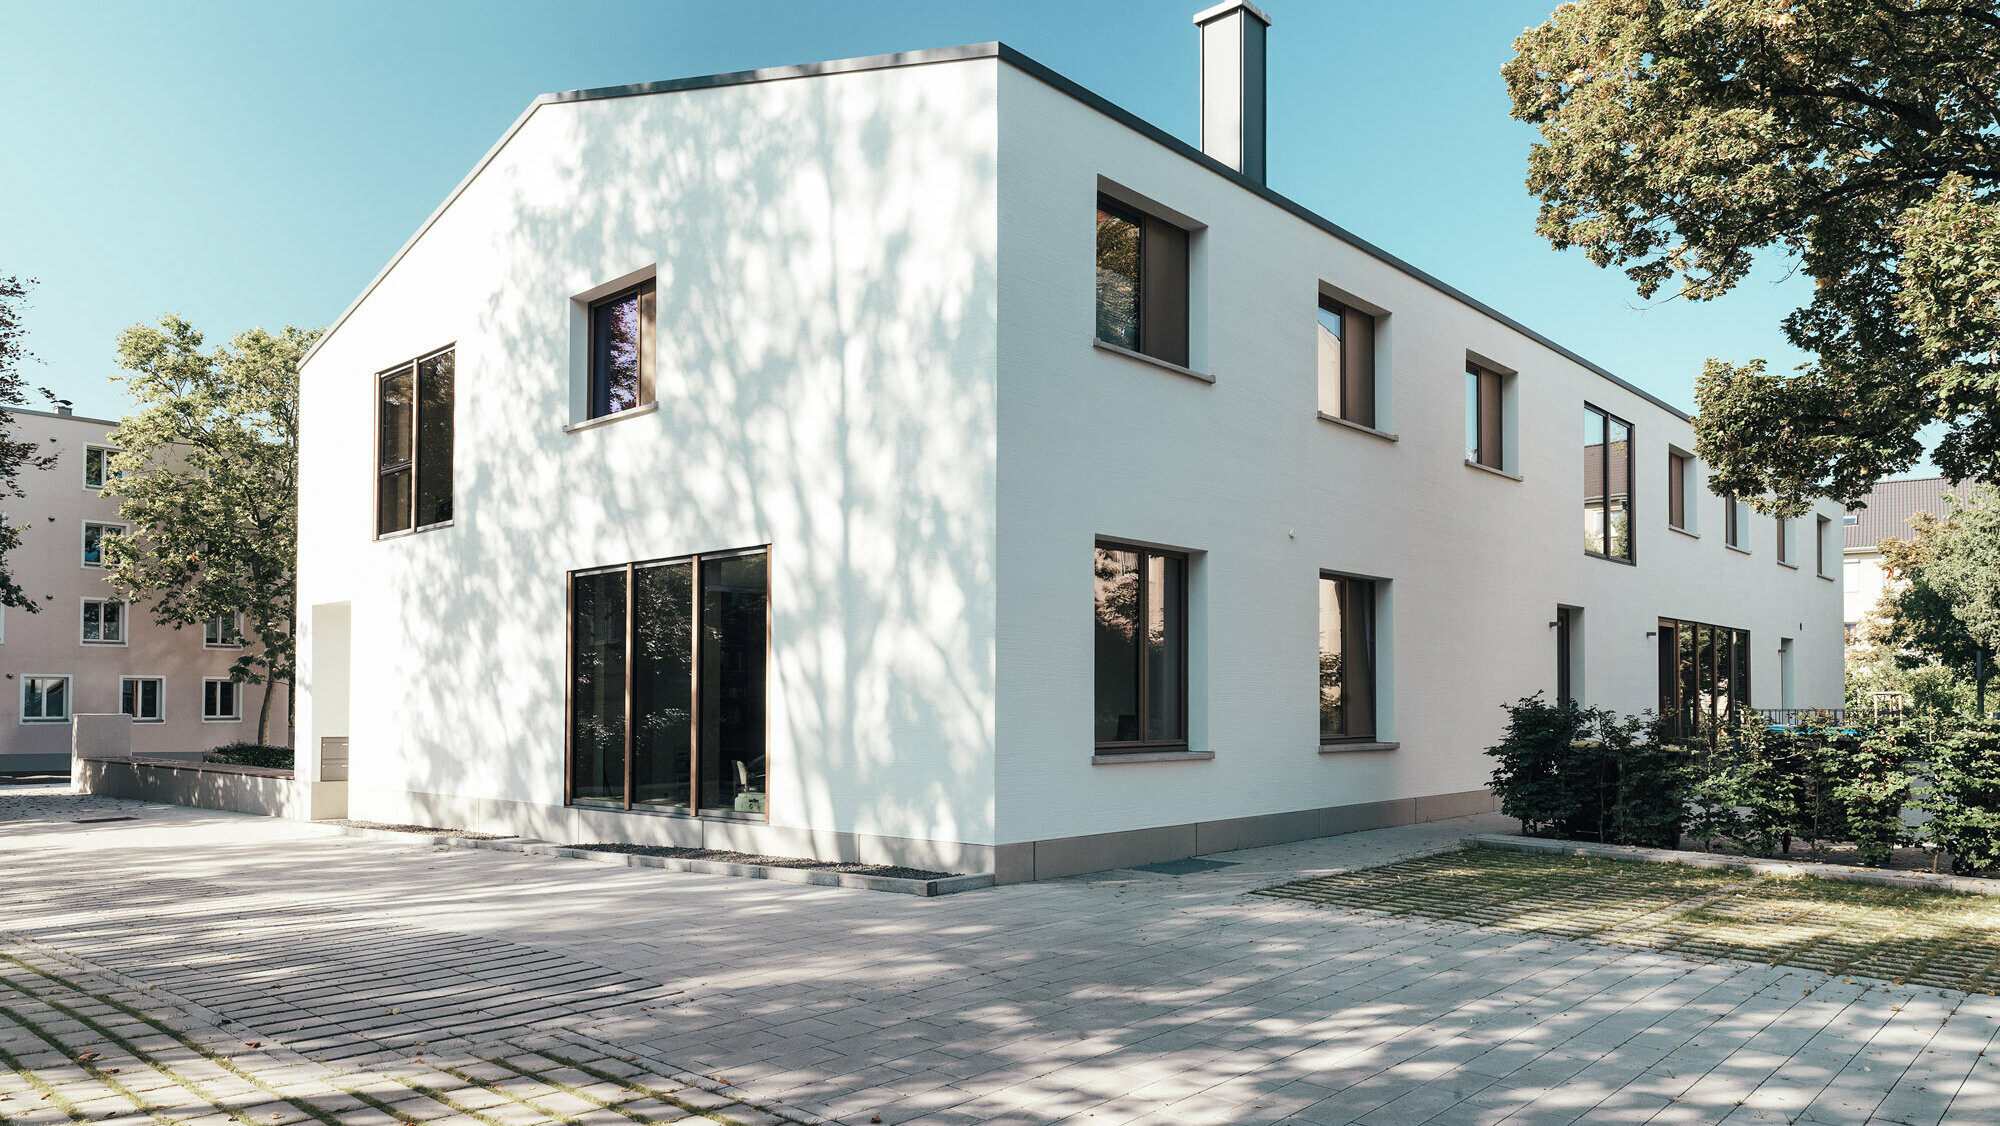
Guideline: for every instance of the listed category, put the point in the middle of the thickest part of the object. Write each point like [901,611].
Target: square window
[221,701]
[139,697]
[1141,648]
[45,699]
[622,333]
[103,621]
[1142,282]
[97,469]
[221,632]
[93,542]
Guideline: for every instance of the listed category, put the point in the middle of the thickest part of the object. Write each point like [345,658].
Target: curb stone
[1847,873]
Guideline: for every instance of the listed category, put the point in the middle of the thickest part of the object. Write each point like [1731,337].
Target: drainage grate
[100,820]
[1186,867]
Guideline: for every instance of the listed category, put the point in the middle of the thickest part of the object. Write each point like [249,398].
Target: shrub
[1869,777]
[1582,773]
[1964,796]
[245,753]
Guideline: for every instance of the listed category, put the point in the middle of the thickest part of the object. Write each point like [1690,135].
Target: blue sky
[256,163]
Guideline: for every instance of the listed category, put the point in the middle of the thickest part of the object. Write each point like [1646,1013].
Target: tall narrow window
[1736,517]
[414,439]
[621,350]
[1822,528]
[1142,282]
[45,699]
[1680,467]
[1346,659]
[139,697]
[667,684]
[1141,648]
[1607,485]
[221,701]
[1346,363]
[1483,391]
[1565,655]
[1784,540]
[103,621]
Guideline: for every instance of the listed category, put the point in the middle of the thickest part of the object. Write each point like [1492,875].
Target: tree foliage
[1943,604]
[16,454]
[208,468]
[1858,138]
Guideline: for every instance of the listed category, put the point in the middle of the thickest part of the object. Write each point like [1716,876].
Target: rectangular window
[97,466]
[221,632]
[1607,485]
[45,699]
[1680,467]
[1736,520]
[93,542]
[221,701]
[668,667]
[1850,576]
[1849,519]
[1565,623]
[1141,648]
[414,405]
[139,697]
[1704,676]
[1142,282]
[1822,528]
[1346,659]
[1346,363]
[1784,540]
[1483,391]
[621,350]
[103,621]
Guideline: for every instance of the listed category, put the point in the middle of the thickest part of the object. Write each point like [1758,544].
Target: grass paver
[1917,936]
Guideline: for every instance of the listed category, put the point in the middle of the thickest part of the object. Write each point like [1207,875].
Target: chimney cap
[1228,6]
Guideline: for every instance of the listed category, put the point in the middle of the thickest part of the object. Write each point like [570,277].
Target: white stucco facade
[874,355]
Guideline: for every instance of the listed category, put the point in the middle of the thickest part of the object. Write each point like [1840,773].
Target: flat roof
[1035,70]
[65,417]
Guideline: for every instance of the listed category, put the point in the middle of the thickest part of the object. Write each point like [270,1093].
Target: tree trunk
[264,715]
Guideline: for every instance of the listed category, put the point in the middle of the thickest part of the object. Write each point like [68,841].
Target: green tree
[1860,139]
[209,466]
[1945,603]
[15,455]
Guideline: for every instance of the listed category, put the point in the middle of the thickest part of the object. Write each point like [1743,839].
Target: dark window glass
[662,684]
[1346,363]
[1733,521]
[1677,475]
[1704,676]
[434,439]
[734,644]
[597,686]
[96,461]
[621,351]
[397,417]
[1141,647]
[140,698]
[1821,526]
[1346,659]
[219,700]
[1483,391]
[1119,240]
[1565,621]
[1117,645]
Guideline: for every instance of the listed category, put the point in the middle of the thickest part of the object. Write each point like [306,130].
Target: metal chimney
[1232,85]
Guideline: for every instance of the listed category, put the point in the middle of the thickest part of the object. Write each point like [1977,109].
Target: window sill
[608,419]
[1829,578]
[1471,464]
[406,533]
[1368,430]
[237,719]
[1685,532]
[45,723]
[102,644]
[1115,758]
[1634,562]
[1154,361]
[1356,747]
[1737,550]
[1793,566]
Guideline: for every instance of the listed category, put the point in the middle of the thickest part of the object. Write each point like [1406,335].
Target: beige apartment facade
[87,650]
[1886,514]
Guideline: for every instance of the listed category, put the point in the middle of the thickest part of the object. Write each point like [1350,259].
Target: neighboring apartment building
[1889,507]
[921,459]
[87,649]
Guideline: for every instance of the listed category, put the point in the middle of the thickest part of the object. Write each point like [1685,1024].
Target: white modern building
[86,649]
[920,459]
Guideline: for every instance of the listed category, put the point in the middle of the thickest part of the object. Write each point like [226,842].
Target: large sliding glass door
[667,673]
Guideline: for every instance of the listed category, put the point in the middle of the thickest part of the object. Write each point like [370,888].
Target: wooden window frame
[647,291]
[695,810]
[1142,744]
[415,465]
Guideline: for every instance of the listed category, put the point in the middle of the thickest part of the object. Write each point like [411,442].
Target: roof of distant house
[1892,503]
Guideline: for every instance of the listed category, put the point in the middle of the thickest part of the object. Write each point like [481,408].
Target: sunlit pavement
[222,968]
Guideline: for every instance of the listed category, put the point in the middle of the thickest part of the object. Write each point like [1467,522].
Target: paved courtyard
[186,966]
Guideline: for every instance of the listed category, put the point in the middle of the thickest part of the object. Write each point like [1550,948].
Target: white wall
[825,254]
[1243,473]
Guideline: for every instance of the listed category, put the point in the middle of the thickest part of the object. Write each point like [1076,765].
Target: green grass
[1942,939]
